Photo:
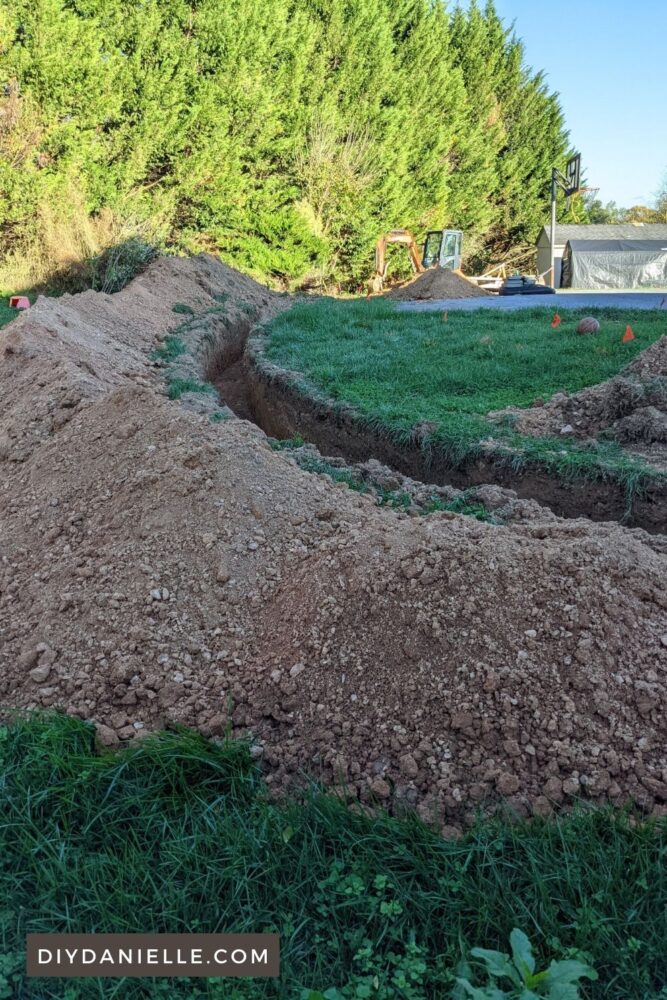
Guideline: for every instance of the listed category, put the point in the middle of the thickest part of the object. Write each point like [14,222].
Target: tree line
[284,135]
[610,213]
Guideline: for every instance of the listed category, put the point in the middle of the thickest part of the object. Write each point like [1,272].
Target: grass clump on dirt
[177,833]
[402,369]
[118,265]
[462,505]
[179,386]
[108,271]
[172,347]
[396,499]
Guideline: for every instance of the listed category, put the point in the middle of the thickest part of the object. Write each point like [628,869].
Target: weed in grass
[219,417]
[401,369]
[178,834]
[182,309]
[221,297]
[559,982]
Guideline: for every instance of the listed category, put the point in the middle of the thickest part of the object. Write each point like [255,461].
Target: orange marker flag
[555,322]
[628,335]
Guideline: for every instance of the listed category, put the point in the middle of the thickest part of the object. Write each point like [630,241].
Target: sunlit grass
[6,314]
[398,369]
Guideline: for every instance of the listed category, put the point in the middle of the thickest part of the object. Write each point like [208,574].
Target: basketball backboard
[573,175]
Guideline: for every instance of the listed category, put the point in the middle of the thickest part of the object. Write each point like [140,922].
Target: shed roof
[625,231]
[618,246]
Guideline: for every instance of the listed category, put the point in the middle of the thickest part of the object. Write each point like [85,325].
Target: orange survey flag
[556,321]
[628,335]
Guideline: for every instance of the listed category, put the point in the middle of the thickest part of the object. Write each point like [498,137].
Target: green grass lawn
[177,834]
[6,314]
[400,368]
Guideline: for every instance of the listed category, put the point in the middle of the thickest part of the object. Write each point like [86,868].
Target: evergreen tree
[284,135]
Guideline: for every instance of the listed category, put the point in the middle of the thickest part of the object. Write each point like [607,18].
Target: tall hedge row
[282,134]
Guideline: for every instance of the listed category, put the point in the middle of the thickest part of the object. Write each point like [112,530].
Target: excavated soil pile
[156,567]
[630,408]
[439,283]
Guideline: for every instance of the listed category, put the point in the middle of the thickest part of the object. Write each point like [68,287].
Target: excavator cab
[443,248]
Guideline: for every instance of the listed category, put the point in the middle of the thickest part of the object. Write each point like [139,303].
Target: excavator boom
[404,237]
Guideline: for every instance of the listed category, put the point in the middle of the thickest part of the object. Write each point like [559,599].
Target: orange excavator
[442,247]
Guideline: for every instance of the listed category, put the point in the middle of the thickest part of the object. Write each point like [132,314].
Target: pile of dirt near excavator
[158,566]
[438,283]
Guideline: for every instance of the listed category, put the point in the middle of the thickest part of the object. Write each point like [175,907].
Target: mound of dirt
[156,567]
[630,408]
[439,283]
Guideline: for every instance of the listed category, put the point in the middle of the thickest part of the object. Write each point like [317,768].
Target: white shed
[565,233]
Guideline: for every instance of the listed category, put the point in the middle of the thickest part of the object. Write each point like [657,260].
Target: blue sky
[608,61]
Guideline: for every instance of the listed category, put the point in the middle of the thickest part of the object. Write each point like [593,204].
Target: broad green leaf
[570,971]
[497,963]
[522,953]
[564,991]
[485,993]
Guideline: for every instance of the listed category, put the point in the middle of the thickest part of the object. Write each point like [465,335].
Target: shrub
[114,268]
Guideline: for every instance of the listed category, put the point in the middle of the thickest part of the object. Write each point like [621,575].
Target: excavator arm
[404,237]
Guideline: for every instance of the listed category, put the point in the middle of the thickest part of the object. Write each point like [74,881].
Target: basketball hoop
[581,191]
[573,175]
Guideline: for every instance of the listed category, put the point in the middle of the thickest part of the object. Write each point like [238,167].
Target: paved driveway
[561,300]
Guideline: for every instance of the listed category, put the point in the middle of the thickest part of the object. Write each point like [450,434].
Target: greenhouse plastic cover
[615,264]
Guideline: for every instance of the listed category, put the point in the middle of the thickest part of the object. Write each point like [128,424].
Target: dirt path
[156,567]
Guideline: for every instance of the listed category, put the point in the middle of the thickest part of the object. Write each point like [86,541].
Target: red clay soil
[438,283]
[158,568]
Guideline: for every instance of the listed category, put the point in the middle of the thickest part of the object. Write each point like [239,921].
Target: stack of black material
[522,284]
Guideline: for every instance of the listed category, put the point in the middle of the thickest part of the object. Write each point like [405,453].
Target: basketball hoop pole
[570,184]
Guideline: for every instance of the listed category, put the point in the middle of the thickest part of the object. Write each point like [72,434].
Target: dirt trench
[160,567]
[269,398]
[227,370]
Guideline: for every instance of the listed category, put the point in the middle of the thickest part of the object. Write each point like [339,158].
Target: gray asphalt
[561,300]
